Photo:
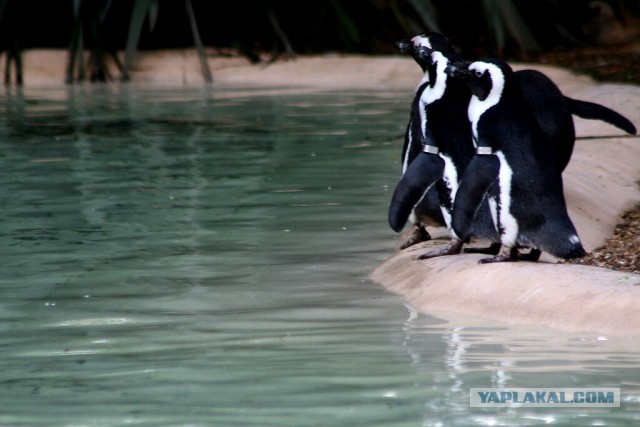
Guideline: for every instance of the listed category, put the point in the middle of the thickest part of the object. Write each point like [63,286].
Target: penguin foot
[505,255]
[494,249]
[453,248]
[533,255]
[512,255]
[418,234]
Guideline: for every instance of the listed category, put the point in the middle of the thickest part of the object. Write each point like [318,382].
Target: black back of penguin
[554,112]
[551,112]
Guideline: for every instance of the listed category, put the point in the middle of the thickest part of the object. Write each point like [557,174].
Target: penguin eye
[479,73]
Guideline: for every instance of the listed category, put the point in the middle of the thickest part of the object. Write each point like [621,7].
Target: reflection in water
[521,357]
[201,257]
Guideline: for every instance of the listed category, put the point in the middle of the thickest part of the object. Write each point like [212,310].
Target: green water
[200,257]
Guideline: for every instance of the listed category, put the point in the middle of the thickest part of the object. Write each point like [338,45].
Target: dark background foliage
[518,29]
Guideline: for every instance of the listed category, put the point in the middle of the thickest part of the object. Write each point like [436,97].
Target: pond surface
[201,257]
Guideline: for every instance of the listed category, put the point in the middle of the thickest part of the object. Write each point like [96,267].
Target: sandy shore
[181,67]
[600,184]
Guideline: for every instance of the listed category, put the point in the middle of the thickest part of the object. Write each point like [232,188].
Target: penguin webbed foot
[508,254]
[453,248]
[418,234]
[493,249]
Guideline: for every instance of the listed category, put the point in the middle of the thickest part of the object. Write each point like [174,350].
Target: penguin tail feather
[593,111]
[560,239]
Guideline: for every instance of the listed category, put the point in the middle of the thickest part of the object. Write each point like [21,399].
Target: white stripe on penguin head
[421,40]
[437,88]
[477,107]
[436,91]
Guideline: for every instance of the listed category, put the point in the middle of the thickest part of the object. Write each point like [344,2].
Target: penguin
[413,138]
[427,212]
[414,135]
[447,149]
[514,166]
[552,109]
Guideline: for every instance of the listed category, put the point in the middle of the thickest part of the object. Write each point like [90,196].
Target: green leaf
[427,12]
[204,65]
[138,15]
[495,22]
[153,15]
[518,29]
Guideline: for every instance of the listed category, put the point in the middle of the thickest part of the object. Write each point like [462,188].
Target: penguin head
[422,50]
[404,46]
[435,41]
[409,46]
[485,78]
[421,40]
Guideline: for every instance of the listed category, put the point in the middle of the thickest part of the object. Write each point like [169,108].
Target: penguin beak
[458,70]
[404,46]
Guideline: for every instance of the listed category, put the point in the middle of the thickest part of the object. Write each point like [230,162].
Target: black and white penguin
[413,135]
[447,149]
[514,166]
[427,212]
[413,140]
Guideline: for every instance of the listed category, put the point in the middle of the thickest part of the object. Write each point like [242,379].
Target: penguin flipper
[593,111]
[421,174]
[478,177]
